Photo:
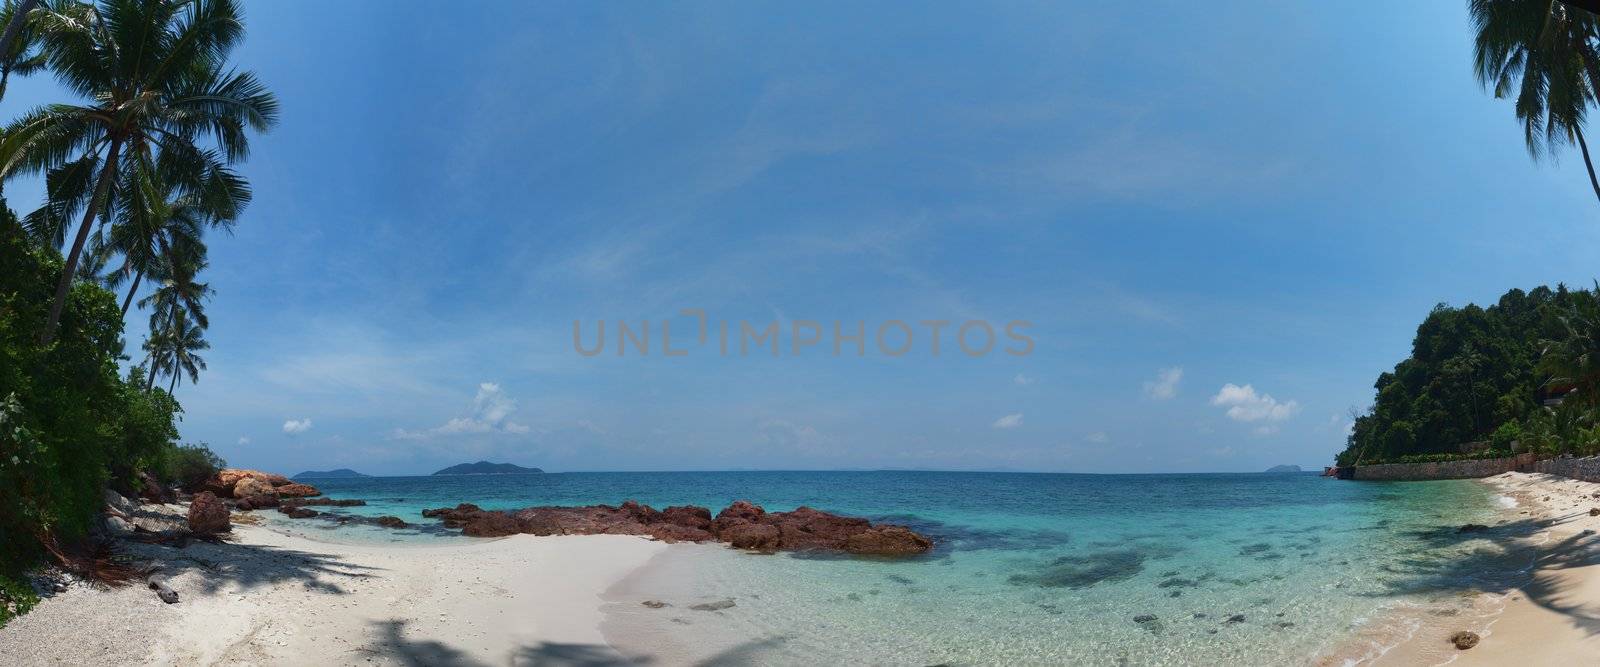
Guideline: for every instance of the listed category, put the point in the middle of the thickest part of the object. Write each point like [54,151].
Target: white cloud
[1022,380]
[1245,405]
[244,440]
[297,426]
[1165,385]
[491,413]
[1008,421]
[1098,437]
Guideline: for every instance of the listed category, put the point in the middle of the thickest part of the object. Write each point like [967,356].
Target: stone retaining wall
[1586,469]
[1459,469]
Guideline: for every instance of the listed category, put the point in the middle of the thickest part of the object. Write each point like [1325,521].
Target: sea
[1029,569]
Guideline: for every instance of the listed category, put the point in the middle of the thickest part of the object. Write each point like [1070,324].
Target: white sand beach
[272,599]
[1549,614]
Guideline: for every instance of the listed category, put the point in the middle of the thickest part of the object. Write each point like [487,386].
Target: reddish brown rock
[296,512]
[687,515]
[742,525]
[251,486]
[887,541]
[756,536]
[152,490]
[295,490]
[491,524]
[208,515]
[256,502]
[391,522]
[671,532]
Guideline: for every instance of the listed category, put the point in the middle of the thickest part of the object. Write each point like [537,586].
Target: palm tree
[19,52]
[174,351]
[162,223]
[1543,52]
[154,70]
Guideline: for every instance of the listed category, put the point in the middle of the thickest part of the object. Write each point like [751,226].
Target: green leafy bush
[68,423]
[16,598]
[189,466]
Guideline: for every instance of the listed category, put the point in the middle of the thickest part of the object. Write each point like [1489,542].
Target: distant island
[1284,468]
[487,468]
[329,474]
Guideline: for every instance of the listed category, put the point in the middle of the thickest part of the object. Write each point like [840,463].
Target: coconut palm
[174,351]
[162,223]
[154,72]
[19,52]
[1543,53]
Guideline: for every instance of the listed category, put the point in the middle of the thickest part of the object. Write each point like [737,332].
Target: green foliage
[68,423]
[16,598]
[1472,370]
[1440,458]
[189,466]
[1506,435]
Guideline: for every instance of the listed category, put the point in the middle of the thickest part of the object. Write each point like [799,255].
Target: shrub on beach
[189,466]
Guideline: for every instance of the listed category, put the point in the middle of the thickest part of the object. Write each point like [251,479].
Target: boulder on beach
[240,483]
[1464,640]
[251,486]
[208,515]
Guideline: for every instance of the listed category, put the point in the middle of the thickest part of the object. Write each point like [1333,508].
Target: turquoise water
[1029,568]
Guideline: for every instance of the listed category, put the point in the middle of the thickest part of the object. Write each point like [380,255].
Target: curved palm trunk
[67,273]
[137,276]
[174,385]
[1584,146]
[15,26]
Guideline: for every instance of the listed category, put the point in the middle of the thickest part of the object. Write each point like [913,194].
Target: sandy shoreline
[1545,608]
[269,599]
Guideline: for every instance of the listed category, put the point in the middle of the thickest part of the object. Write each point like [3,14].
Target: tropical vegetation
[138,168]
[1520,375]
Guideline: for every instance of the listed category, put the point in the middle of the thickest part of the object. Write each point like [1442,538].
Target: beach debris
[1464,640]
[743,525]
[391,522]
[1594,511]
[208,515]
[655,604]
[1471,528]
[163,590]
[718,605]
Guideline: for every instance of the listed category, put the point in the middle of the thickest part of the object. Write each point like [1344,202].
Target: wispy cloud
[1023,380]
[297,426]
[1165,385]
[1008,421]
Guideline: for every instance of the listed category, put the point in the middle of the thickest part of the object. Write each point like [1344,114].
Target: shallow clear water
[1029,568]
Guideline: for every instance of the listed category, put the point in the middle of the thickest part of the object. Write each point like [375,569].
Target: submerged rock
[713,606]
[1472,528]
[391,522]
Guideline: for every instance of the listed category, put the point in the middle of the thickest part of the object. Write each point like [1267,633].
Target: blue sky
[1223,221]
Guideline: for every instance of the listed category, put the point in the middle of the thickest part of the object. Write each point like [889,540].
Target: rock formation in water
[742,525]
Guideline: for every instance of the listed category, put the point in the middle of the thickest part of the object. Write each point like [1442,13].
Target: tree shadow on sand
[230,565]
[390,642]
[1525,556]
